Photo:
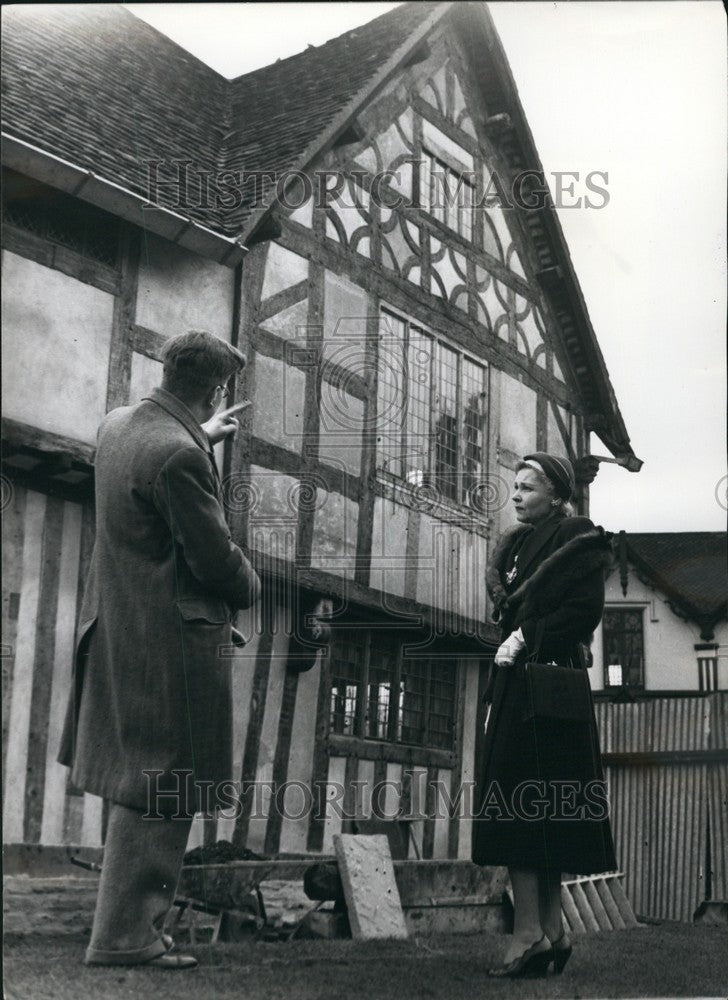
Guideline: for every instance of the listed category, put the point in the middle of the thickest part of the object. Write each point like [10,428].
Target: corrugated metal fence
[666,762]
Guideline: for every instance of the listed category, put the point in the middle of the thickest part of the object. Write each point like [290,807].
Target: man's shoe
[171,960]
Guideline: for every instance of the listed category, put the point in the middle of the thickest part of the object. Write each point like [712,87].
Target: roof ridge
[168,41]
[281,62]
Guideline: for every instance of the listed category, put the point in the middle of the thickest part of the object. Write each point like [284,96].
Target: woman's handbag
[554,692]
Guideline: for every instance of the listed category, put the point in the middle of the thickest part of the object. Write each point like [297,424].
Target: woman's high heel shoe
[533,962]
[560,953]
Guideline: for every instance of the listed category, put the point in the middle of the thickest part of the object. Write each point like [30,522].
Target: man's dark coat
[558,582]
[151,691]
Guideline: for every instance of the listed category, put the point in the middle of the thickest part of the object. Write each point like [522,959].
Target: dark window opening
[60,218]
[377,693]
[623,633]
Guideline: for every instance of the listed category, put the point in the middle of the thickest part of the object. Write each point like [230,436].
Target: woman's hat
[559,472]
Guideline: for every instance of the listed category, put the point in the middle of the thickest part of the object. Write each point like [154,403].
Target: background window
[447,195]
[430,411]
[376,693]
[60,218]
[623,633]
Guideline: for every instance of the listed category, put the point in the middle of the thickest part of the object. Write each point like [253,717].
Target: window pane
[382,663]
[446,429]
[441,705]
[465,210]
[390,394]
[347,661]
[623,646]
[417,423]
[411,708]
[473,416]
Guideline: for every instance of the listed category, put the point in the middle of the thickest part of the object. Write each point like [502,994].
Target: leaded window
[623,636]
[447,195]
[60,218]
[431,411]
[378,693]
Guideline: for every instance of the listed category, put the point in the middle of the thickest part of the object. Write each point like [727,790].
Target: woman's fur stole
[543,591]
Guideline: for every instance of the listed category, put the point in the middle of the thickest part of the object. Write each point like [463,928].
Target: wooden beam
[117,392]
[69,262]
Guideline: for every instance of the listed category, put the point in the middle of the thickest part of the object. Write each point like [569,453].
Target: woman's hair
[196,361]
[565,506]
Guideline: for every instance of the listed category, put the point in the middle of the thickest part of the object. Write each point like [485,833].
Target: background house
[408,336]
[665,626]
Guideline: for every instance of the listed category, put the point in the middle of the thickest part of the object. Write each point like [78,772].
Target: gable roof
[689,567]
[93,96]
[101,89]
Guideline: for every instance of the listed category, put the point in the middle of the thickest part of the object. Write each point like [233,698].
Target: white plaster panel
[437,142]
[333,547]
[283,268]
[273,512]
[55,350]
[517,416]
[340,428]
[290,323]
[278,402]
[389,546]
[345,324]
[180,291]
[146,374]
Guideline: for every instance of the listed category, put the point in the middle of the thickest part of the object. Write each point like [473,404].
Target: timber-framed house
[368,222]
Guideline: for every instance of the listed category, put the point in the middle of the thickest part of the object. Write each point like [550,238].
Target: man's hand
[224,423]
[509,650]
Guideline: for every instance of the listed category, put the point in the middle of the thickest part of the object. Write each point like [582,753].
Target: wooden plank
[56,774]
[267,740]
[294,830]
[22,435]
[570,912]
[311,416]
[428,831]
[333,801]
[320,767]
[612,910]
[282,756]
[45,639]
[623,904]
[365,522]
[13,539]
[597,907]
[62,259]
[147,342]
[19,724]
[370,888]
[117,391]
[256,712]
[379,788]
[582,904]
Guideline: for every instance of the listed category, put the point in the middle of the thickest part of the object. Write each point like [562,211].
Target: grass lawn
[669,960]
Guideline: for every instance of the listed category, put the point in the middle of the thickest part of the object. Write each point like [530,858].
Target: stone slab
[370,888]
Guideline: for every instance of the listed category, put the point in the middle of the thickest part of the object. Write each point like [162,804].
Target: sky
[636,90]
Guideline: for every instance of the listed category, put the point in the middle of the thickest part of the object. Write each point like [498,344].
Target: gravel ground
[669,960]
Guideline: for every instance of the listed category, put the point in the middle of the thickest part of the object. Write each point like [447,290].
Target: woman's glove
[509,650]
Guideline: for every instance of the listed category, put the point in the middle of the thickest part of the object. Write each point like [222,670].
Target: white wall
[671,661]
[56,342]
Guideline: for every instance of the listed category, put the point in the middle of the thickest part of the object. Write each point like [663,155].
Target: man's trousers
[141,867]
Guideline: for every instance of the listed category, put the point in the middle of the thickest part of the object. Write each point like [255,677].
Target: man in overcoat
[148,725]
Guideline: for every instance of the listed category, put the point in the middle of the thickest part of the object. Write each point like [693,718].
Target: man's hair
[196,361]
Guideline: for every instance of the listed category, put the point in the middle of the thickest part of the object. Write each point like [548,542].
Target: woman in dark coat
[543,807]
